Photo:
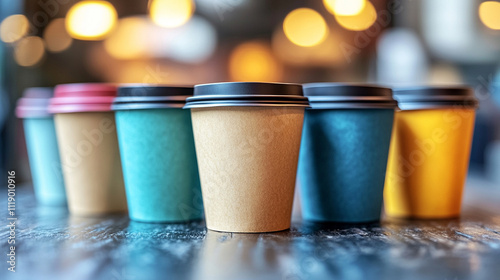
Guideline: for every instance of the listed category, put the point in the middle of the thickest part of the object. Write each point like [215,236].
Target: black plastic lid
[247,94]
[349,96]
[144,96]
[415,98]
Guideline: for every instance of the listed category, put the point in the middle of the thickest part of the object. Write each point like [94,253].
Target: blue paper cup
[158,156]
[344,151]
[45,163]
[41,142]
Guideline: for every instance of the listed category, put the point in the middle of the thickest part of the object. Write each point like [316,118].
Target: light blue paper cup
[158,154]
[344,151]
[41,142]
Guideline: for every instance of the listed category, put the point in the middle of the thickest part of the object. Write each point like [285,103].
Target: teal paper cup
[158,153]
[41,142]
[344,151]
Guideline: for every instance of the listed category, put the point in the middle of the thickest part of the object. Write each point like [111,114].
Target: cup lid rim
[248,88]
[148,102]
[154,90]
[106,89]
[246,93]
[151,96]
[331,95]
[34,103]
[424,97]
[82,97]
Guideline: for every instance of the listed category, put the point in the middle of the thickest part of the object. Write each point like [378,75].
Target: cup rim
[149,96]
[430,97]
[82,97]
[254,94]
[329,95]
[34,103]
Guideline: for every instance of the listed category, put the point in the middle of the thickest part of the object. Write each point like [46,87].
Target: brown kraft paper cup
[91,162]
[247,158]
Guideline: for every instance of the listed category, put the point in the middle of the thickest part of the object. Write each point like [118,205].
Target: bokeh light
[129,40]
[325,54]
[29,51]
[56,37]
[344,7]
[154,71]
[360,21]
[401,58]
[217,8]
[254,61]
[305,27]
[91,20]
[193,42]
[138,37]
[489,13]
[171,13]
[13,28]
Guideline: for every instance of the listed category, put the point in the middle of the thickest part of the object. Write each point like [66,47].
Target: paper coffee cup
[158,159]
[247,138]
[41,142]
[89,148]
[343,157]
[430,150]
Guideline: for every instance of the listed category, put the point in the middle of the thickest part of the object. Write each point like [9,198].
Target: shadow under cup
[344,151]
[247,138]
[88,146]
[430,150]
[158,154]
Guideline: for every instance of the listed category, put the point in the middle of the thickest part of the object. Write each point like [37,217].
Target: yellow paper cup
[429,154]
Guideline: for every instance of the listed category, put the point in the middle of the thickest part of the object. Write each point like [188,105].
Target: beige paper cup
[247,158]
[247,138]
[91,162]
[88,146]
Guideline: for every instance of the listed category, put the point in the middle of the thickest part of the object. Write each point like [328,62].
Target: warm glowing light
[138,37]
[325,54]
[305,27]
[171,13]
[29,51]
[56,37]
[13,28]
[254,61]
[91,20]
[489,13]
[360,21]
[128,40]
[344,7]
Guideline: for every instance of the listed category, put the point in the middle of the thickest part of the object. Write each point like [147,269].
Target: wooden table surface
[53,245]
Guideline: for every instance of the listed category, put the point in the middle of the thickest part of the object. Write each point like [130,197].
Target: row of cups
[232,151]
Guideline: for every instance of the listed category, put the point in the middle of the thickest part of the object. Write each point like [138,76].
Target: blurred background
[400,42]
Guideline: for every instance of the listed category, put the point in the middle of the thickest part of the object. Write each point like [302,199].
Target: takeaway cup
[88,145]
[344,150]
[158,154]
[41,143]
[430,149]
[247,138]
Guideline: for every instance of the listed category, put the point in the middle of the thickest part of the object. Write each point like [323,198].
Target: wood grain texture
[53,245]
